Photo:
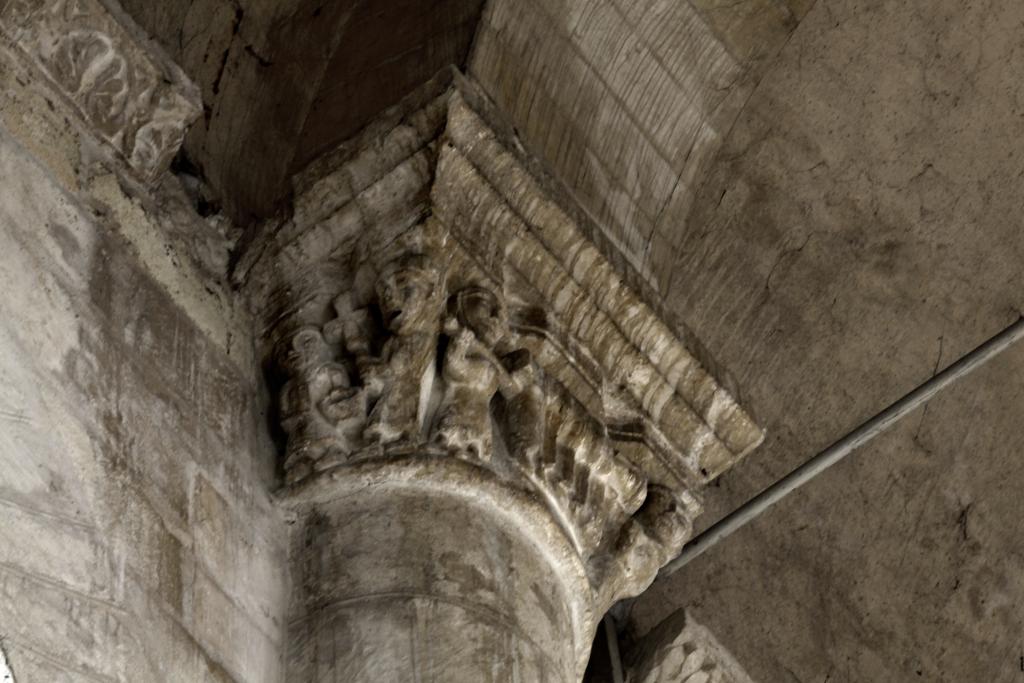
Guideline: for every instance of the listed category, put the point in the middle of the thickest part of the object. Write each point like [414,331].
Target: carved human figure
[407,294]
[474,371]
[319,408]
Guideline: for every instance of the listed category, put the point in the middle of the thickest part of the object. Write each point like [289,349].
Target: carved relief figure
[474,371]
[320,409]
[408,291]
[524,423]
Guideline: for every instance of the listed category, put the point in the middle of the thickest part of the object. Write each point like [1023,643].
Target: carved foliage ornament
[129,94]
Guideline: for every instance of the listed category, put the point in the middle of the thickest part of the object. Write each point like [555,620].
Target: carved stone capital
[486,337]
[680,650]
[95,59]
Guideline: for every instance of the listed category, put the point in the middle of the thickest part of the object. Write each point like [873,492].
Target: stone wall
[137,538]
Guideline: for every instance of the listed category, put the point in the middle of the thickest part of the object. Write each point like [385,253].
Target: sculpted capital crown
[473,347]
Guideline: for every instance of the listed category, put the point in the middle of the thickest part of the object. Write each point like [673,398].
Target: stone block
[58,550]
[127,92]
[157,441]
[231,637]
[77,632]
[239,557]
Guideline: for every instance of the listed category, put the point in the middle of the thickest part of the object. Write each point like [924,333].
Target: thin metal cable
[878,424]
[843,447]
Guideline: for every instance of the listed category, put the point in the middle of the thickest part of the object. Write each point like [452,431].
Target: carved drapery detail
[128,94]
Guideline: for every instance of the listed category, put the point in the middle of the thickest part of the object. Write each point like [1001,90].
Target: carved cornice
[126,92]
[505,219]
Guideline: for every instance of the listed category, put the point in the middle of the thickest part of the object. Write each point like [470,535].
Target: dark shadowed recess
[283,82]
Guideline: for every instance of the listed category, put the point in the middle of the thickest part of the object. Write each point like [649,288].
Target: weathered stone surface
[128,439]
[491,344]
[420,372]
[510,226]
[433,568]
[565,435]
[641,99]
[129,94]
[942,556]
[847,233]
[376,186]
[284,82]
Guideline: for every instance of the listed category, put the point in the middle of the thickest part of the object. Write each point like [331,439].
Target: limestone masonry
[415,427]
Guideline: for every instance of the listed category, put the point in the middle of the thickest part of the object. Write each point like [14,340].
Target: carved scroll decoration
[128,94]
[681,650]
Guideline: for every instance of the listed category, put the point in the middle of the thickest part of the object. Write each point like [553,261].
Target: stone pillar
[419,551]
[431,569]
[490,439]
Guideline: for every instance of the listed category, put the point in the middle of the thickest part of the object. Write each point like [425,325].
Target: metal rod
[843,447]
[612,634]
